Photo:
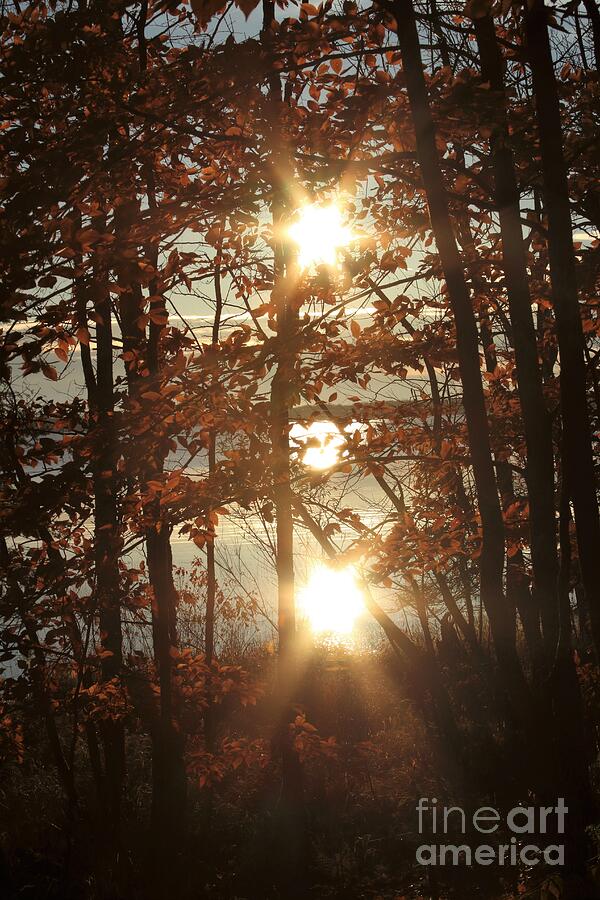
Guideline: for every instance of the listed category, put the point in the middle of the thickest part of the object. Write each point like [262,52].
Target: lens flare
[319,233]
[331,601]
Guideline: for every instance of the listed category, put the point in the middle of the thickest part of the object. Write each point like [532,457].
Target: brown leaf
[204,10]
[247,6]
[50,372]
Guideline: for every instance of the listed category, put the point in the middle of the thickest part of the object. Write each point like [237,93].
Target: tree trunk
[211,578]
[571,744]
[518,592]
[492,551]
[169,785]
[577,454]
[536,418]
[292,839]
[591,8]
[107,540]
[169,782]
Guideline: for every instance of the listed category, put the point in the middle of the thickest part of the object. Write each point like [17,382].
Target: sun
[331,601]
[319,233]
[322,444]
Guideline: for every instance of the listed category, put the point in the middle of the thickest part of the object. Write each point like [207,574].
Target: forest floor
[360,808]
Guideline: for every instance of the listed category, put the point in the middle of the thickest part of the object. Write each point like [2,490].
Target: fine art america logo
[521,821]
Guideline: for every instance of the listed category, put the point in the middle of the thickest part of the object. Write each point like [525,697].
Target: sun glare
[319,232]
[331,601]
[322,443]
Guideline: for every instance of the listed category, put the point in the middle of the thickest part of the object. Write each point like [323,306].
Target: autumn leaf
[50,372]
[204,10]
[247,6]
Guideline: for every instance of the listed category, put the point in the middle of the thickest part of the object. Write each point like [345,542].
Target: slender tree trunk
[79,651]
[283,502]
[131,300]
[211,578]
[571,740]
[291,813]
[79,296]
[591,8]
[492,551]
[518,592]
[169,785]
[281,390]
[536,418]
[107,541]
[169,782]
[292,795]
[582,53]
[577,454]
[211,573]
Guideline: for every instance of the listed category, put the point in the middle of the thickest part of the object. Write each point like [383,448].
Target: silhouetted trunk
[571,742]
[291,818]
[169,782]
[577,455]
[211,573]
[291,810]
[281,385]
[536,418]
[211,578]
[80,298]
[578,32]
[518,591]
[465,627]
[131,301]
[283,500]
[79,651]
[591,8]
[107,539]
[492,551]
[518,588]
